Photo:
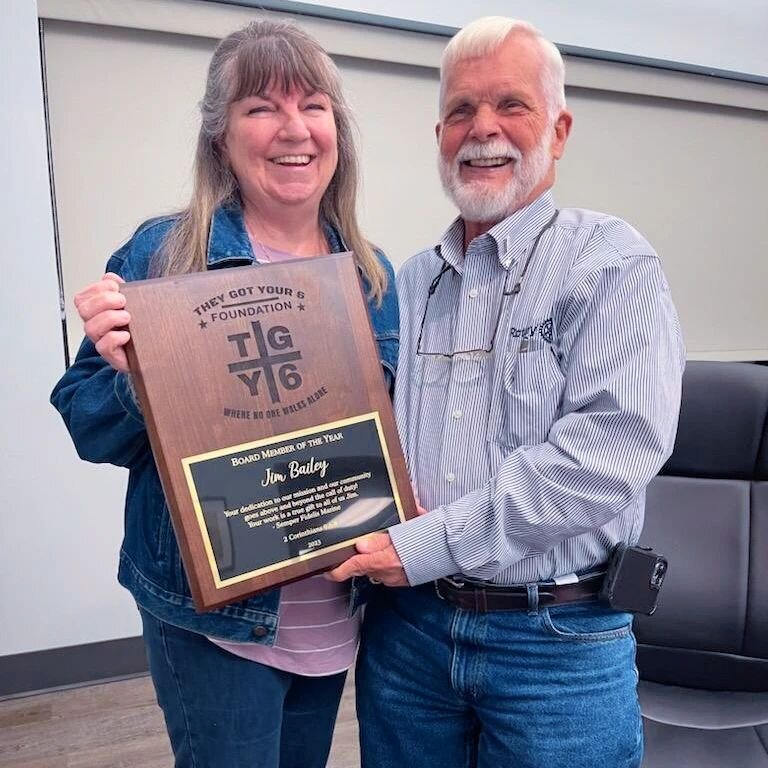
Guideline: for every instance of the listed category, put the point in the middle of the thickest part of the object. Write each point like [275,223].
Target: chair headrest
[723,422]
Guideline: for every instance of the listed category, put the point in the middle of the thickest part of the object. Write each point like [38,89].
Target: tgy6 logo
[270,354]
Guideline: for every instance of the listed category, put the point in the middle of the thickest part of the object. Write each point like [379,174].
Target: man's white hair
[485,35]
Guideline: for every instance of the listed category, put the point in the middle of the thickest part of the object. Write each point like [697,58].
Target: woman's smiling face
[282,147]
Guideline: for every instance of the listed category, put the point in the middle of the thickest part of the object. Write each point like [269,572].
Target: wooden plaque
[269,420]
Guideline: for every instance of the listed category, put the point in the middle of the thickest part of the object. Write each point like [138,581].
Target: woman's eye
[316,105]
[261,109]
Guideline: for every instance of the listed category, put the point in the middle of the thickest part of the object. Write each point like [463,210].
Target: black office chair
[703,657]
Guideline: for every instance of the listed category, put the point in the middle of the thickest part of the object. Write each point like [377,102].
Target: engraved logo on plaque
[266,359]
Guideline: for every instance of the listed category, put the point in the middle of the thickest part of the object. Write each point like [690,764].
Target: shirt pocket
[532,389]
[436,374]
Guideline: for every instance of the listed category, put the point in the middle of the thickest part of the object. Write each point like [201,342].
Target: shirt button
[259,631]
[473,293]
[450,477]
[457,414]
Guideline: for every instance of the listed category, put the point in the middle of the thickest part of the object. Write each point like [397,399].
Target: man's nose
[485,124]
[294,127]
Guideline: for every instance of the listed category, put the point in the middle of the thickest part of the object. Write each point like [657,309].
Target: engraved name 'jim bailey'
[269,420]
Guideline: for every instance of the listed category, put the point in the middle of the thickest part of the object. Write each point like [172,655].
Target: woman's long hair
[262,55]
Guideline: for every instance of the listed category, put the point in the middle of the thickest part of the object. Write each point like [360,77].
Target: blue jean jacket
[98,407]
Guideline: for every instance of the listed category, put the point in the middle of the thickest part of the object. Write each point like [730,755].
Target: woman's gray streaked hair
[248,62]
[485,35]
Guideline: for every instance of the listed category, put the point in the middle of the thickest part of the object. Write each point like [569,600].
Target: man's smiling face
[497,136]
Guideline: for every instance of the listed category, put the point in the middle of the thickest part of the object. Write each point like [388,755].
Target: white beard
[480,202]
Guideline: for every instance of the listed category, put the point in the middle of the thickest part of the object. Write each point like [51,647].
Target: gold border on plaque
[203,528]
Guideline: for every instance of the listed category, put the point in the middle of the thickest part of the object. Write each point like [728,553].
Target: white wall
[656,126]
[709,33]
[57,566]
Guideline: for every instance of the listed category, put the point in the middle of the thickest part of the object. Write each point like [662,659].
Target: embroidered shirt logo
[543,329]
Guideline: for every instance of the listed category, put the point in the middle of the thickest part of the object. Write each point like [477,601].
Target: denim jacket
[98,407]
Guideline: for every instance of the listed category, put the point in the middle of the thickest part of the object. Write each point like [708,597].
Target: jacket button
[259,631]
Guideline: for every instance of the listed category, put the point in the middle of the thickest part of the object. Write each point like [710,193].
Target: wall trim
[423,27]
[214,19]
[24,674]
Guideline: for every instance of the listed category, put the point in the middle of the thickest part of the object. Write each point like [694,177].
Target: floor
[114,725]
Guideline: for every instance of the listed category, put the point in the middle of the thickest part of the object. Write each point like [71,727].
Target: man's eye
[460,111]
[510,105]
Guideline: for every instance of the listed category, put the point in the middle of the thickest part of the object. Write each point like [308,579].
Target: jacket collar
[228,239]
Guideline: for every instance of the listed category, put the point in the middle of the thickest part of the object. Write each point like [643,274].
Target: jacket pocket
[165,535]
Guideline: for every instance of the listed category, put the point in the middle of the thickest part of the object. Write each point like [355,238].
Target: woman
[276,178]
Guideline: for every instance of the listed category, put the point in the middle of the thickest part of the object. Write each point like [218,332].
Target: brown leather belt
[472,596]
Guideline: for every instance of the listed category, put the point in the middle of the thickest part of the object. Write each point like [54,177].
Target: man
[537,394]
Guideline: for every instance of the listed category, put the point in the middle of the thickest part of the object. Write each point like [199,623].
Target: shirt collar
[511,236]
[451,248]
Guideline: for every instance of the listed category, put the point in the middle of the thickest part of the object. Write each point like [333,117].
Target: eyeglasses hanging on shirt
[506,291]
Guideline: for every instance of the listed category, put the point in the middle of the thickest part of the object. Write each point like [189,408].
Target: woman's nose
[294,127]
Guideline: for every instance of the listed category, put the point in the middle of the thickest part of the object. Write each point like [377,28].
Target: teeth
[488,162]
[292,160]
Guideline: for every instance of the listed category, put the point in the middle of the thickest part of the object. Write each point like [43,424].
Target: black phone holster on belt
[633,579]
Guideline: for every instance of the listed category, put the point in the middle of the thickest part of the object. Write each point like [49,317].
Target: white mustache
[488,150]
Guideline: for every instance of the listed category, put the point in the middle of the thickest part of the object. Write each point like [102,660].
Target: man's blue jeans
[441,687]
[222,711]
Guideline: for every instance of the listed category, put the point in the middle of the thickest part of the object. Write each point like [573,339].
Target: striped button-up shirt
[533,458]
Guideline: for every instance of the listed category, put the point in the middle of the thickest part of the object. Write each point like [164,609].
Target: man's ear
[562,131]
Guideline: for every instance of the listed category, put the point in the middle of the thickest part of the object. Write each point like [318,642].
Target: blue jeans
[222,711]
[441,687]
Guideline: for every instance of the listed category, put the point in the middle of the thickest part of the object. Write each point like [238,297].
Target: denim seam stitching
[583,637]
[169,596]
[163,533]
[454,653]
[177,600]
[128,410]
[188,730]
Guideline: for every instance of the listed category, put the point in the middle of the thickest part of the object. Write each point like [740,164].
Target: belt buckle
[455,583]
